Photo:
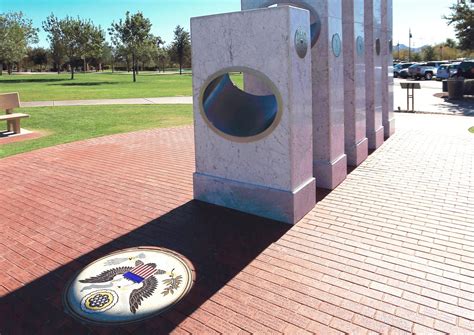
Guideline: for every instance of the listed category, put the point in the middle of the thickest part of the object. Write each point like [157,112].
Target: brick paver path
[390,251]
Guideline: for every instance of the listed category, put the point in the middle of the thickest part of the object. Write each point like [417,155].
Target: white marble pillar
[254,153]
[329,159]
[388,117]
[356,143]
[373,72]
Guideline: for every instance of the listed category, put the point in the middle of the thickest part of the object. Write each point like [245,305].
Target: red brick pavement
[389,251]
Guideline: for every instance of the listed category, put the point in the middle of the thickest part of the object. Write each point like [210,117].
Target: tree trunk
[72,72]
[59,68]
[9,69]
[180,68]
[1,69]
[134,68]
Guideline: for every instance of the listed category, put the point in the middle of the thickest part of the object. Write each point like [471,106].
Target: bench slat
[13,116]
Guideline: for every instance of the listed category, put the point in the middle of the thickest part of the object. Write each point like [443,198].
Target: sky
[424,17]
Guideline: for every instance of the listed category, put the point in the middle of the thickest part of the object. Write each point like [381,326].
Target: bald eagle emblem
[140,280]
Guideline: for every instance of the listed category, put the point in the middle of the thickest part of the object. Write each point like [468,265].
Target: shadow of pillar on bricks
[219,243]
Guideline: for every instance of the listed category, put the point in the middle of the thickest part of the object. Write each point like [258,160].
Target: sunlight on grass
[69,124]
[45,87]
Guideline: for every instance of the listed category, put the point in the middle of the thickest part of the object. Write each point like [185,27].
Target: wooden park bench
[8,102]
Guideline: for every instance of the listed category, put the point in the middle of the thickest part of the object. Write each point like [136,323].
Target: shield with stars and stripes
[140,273]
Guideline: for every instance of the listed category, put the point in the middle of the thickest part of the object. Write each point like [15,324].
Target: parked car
[466,69]
[443,72]
[453,68]
[424,70]
[403,73]
[397,68]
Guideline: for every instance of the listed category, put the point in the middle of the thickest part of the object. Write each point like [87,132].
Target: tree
[162,58]
[53,28]
[131,33]
[39,57]
[16,34]
[94,45]
[415,57]
[79,38]
[428,53]
[462,17]
[450,43]
[180,50]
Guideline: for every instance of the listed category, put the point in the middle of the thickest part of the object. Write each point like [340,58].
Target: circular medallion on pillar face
[377,46]
[336,45]
[315,20]
[360,45]
[129,285]
[301,42]
[390,46]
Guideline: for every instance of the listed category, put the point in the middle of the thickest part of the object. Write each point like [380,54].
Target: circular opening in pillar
[336,45]
[315,20]
[390,46]
[360,45]
[128,286]
[377,46]
[236,114]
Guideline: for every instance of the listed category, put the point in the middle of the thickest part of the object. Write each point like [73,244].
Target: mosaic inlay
[128,286]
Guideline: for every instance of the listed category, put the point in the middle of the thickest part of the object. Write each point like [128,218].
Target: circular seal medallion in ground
[128,286]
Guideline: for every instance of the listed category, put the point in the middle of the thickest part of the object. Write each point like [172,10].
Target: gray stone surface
[373,69]
[329,159]
[269,174]
[388,117]
[356,143]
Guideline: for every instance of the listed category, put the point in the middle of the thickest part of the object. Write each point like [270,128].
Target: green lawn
[44,87]
[68,124]
[107,85]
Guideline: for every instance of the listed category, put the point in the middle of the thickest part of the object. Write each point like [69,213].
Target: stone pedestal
[254,152]
[373,71]
[356,143]
[329,159]
[388,117]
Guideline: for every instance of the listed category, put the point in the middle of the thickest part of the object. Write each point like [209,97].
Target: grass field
[44,87]
[68,124]
[107,85]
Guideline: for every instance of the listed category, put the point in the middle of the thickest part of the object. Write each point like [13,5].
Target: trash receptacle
[455,88]
[445,86]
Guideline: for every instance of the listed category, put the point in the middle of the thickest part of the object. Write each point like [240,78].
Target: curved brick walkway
[391,250]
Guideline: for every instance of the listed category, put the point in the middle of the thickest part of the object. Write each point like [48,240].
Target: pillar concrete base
[376,138]
[389,128]
[330,174]
[275,204]
[358,153]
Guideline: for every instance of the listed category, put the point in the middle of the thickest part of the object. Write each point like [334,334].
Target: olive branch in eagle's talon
[172,283]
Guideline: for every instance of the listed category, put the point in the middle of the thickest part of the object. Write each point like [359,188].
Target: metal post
[408,98]
[413,99]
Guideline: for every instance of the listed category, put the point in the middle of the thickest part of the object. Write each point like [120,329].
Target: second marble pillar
[356,143]
[373,72]
[329,159]
[388,118]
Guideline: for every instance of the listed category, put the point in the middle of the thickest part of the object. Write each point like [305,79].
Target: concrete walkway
[96,102]
[427,102]
[390,251]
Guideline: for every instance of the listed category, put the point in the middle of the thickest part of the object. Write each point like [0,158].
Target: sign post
[411,96]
